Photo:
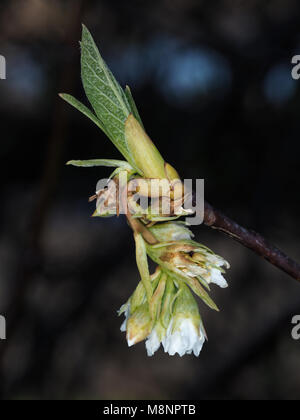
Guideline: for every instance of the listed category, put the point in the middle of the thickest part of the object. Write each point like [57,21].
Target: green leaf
[101,162]
[84,109]
[132,104]
[104,93]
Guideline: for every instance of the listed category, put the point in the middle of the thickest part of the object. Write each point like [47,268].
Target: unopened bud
[138,325]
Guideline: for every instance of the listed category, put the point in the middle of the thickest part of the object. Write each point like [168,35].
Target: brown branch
[252,240]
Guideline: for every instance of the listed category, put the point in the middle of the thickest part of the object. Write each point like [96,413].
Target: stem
[136,225]
[142,263]
[252,240]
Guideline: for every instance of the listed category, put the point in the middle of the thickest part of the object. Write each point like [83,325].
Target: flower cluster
[176,325]
[170,317]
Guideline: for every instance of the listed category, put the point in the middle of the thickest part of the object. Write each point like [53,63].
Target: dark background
[213,84]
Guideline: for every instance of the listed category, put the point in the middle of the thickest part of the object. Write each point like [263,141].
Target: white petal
[174,344]
[126,310]
[123,326]
[185,340]
[195,270]
[188,332]
[218,261]
[152,343]
[131,342]
[217,278]
[199,343]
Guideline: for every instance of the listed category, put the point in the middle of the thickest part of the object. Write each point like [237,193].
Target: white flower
[191,260]
[210,270]
[184,339]
[182,336]
[126,310]
[184,332]
[152,343]
[175,323]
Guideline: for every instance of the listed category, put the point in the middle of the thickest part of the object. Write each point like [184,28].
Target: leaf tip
[85,31]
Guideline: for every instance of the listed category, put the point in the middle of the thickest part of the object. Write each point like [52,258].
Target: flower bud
[138,319]
[138,325]
[171,231]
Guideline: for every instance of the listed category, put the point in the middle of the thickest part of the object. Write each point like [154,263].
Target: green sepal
[101,162]
[155,302]
[142,263]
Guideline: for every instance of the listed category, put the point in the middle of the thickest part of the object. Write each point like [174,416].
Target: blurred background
[213,84]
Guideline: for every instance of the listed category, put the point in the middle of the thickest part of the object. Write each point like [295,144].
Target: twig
[250,239]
